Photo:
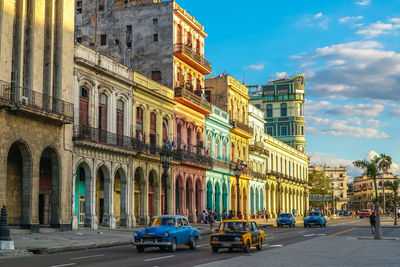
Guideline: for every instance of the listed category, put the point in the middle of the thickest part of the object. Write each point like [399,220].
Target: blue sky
[348,50]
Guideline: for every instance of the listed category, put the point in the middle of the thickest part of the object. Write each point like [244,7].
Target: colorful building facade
[218,147]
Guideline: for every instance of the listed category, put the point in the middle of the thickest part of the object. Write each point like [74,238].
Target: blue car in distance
[286,219]
[167,232]
[315,218]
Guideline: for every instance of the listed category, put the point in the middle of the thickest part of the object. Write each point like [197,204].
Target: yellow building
[229,94]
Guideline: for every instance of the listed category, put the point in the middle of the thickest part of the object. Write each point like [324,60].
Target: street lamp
[237,171]
[165,158]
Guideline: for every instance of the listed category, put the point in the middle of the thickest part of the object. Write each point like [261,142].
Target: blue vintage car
[315,218]
[167,232]
[285,219]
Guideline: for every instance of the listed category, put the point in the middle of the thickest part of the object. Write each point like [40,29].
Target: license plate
[226,245]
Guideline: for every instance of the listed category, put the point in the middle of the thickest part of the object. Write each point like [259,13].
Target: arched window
[83,106]
[269,110]
[283,110]
[224,151]
[103,112]
[189,138]
[179,34]
[139,123]
[120,117]
[189,39]
[153,129]
[165,130]
[217,148]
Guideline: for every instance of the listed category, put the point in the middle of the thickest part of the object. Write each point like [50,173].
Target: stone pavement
[322,251]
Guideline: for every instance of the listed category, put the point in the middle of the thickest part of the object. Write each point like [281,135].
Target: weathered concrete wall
[143,54]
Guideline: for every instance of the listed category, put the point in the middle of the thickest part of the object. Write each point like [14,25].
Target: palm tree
[394,186]
[384,164]
[370,169]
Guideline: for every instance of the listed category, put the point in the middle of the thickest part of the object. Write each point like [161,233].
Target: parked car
[167,232]
[315,218]
[365,213]
[238,234]
[285,219]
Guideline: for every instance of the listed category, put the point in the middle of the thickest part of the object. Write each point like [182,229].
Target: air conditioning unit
[25,100]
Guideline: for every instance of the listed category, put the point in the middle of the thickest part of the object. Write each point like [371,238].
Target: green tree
[371,169]
[394,186]
[384,165]
[320,184]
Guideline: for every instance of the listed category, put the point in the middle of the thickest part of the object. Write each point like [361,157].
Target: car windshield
[364,210]
[314,214]
[157,221]
[235,226]
[285,215]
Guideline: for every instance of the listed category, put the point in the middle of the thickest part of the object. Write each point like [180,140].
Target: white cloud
[331,160]
[258,67]
[361,70]
[350,18]
[395,111]
[380,28]
[318,15]
[363,2]
[280,75]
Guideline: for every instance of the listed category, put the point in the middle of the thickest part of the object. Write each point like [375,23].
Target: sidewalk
[51,241]
[323,251]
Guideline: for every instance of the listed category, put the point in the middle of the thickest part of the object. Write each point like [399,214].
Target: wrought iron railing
[188,95]
[241,125]
[181,155]
[222,164]
[20,96]
[187,50]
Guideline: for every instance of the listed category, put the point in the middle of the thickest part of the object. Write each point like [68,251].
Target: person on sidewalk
[212,220]
[372,221]
[239,215]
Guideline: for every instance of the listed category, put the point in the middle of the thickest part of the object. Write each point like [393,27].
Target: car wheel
[305,226]
[309,226]
[192,243]
[278,225]
[259,246]
[230,249]
[246,249]
[172,247]
[139,249]
[321,225]
[294,224]
[290,225]
[214,249]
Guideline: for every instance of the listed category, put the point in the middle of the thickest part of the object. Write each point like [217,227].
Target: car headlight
[166,234]
[237,238]
[136,234]
[214,238]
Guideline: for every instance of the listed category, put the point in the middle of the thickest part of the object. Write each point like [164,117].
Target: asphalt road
[127,255]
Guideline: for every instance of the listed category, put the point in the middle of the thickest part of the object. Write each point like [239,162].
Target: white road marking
[301,232]
[309,235]
[275,246]
[320,234]
[86,257]
[269,237]
[160,258]
[204,245]
[61,265]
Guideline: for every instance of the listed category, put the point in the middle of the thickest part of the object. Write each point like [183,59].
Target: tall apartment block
[282,101]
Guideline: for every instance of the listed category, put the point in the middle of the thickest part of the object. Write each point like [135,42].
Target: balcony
[246,129]
[36,105]
[193,157]
[258,147]
[222,164]
[184,96]
[185,53]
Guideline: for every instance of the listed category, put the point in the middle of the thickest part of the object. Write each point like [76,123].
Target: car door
[180,235]
[187,230]
[255,233]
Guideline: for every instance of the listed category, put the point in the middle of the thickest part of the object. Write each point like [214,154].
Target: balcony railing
[258,147]
[186,155]
[188,51]
[188,95]
[242,126]
[222,164]
[30,101]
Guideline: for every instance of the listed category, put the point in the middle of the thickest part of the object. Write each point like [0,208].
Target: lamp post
[237,171]
[165,158]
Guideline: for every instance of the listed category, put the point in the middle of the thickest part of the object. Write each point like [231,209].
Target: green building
[218,146]
[282,101]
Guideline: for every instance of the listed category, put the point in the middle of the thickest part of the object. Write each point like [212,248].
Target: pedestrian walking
[239,215]
[230,215]
[372,221]
[211,220]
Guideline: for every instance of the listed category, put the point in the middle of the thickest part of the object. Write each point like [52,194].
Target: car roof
[170,216]
[239,220]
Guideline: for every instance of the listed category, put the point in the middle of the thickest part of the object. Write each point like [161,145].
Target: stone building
[36,112]
[218,145]
[282,101]
[158,39]
[338,178]
[230,95]
[122,119]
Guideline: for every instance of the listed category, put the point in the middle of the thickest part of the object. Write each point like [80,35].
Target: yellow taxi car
[237,234]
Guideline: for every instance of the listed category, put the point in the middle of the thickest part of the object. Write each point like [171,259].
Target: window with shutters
[139,123]
[165,130]
[199,142]
[83,106]
[283,110]
[153,128]
[189,138]
[179,135]
[120,117]
[156,75]
[198,48]
[269,111]
[102,118]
